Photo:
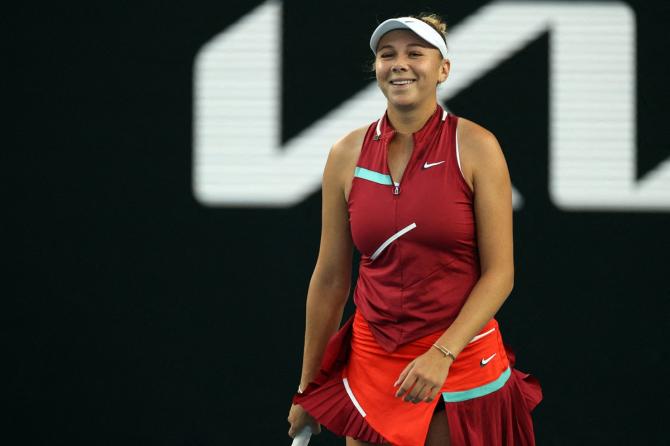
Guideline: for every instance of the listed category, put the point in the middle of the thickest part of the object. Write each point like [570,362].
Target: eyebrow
[410,44]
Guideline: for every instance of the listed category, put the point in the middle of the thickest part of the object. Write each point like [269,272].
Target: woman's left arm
[493,215]
[484,163]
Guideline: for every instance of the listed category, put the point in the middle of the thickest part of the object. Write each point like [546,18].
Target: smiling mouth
[401,82]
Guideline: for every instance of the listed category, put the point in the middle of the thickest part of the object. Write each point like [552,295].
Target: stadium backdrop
[166,169]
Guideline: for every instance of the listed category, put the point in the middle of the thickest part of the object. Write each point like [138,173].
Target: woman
[426,198]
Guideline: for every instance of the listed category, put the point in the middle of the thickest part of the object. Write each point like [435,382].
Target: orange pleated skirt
[354,393]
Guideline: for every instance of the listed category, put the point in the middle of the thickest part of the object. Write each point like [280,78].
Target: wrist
[447,354]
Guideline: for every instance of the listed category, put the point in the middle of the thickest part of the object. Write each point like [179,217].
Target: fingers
[294,428]
[430,393]
[404,373]
[416,389]
[413,395]
[406,385]
[299,418]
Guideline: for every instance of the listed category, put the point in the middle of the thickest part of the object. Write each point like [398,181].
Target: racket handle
[302,439]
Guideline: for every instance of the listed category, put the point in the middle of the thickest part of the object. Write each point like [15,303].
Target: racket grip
[302,439]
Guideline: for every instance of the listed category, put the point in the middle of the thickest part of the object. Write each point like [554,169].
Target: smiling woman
[408,69]
[409,64]
[426,198]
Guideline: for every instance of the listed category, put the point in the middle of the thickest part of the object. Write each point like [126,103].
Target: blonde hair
[435,21]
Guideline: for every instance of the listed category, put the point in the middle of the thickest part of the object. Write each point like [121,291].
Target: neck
[410,120]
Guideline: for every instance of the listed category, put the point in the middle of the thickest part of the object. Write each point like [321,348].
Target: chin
[402,102]
[401,96]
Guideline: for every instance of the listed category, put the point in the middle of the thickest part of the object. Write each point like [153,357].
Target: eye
[415,54]
[385,55]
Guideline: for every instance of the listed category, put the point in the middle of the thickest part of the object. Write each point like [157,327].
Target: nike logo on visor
[428,165]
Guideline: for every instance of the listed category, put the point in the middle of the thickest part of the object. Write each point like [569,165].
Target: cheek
[380,74]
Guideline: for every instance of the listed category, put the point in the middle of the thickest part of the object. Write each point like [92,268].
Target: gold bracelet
[445,351]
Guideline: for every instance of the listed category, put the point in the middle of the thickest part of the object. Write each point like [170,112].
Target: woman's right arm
[331,280]
[330,284]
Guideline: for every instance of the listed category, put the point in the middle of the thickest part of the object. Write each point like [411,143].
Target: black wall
[139,316]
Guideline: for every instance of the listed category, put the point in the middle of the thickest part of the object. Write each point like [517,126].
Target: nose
[398,67]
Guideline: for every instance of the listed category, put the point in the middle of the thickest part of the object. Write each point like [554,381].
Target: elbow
[331,288]
[502,278]
[510,284]
[509,278]
[332,281]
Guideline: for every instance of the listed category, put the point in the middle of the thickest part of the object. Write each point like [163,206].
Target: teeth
[402,82]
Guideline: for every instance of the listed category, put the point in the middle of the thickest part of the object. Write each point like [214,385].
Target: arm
[493,215]
[331,281]
[484,163]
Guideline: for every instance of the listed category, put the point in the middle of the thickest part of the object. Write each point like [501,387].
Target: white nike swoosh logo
[427,164]
[486,361]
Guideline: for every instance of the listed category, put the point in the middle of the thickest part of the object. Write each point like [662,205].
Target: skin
[403,55]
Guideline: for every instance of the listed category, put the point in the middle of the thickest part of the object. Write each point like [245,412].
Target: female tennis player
[425,197]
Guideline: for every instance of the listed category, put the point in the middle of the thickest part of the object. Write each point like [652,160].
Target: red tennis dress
[419,262]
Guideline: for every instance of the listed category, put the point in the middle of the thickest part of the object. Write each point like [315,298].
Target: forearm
[486,298]
[325,305]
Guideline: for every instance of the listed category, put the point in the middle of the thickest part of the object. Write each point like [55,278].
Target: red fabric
[326,399]
[419,282]
[336,354]
[529,385]
[414,288]
[371,372]
[501,418]
[331,406]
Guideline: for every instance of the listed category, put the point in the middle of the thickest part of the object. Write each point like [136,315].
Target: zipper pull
[396,190]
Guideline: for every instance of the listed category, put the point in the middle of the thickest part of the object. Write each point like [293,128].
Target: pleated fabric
[326,398]
[501,418]
[364,407]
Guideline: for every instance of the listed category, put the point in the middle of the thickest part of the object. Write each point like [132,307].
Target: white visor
[418,27]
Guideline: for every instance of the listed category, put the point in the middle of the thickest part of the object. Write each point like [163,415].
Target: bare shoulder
[476,140]
[479,150]
[347,149]
[342,160]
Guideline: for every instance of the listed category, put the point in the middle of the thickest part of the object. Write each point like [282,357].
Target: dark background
[139,316]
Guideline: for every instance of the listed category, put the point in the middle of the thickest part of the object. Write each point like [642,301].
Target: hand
[299,418]
[423,378]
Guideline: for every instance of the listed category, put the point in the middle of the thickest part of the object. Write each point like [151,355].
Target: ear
[444,70]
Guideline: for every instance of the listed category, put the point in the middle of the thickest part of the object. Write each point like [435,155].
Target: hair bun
[435,21]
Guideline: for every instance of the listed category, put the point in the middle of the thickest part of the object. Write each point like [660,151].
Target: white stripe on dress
[479,336]
[458,156]
[353,398]
[391,239]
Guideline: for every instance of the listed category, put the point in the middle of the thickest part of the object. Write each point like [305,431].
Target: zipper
[396,186]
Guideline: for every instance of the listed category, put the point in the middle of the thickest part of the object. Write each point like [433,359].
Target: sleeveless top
[419,258]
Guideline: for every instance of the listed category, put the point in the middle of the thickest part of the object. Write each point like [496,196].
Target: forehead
[401,38]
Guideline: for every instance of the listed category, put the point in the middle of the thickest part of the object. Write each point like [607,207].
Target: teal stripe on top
[373,176]
[454,397]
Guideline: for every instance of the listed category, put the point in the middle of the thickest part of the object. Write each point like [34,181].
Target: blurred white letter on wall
[238,161]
